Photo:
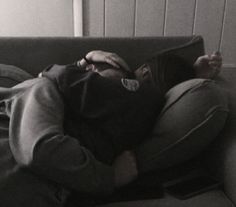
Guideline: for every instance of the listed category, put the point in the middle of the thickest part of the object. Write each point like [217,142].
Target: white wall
[215,20]
[36,18]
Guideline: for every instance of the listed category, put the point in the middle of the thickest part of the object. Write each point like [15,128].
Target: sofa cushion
[189,51]
[194,114]
[169,70]
[11,75]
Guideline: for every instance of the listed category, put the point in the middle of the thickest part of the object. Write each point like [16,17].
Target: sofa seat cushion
[214,198]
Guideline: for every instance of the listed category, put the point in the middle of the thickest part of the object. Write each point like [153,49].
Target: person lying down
[76,127]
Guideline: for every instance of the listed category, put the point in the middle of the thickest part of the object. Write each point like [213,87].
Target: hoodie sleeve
[65,76]
[38,142]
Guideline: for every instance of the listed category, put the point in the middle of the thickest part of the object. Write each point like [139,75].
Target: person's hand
[208,66]
[125,168]
[107,57]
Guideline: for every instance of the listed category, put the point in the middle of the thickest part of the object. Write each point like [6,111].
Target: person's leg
[21,188]
[192,117]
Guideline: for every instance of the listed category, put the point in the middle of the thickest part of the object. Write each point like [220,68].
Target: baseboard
[229,65]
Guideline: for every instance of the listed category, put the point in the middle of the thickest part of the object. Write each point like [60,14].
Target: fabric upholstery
[194,114]
[209,199]
[19,186]
[34,193]
[34,54]
[11,75]
[174,65]
[168,70]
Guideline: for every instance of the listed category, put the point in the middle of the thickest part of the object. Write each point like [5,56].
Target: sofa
[218,158]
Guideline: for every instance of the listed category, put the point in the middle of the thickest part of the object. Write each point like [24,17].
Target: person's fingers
[204,58]
[214,63]
[89,67]
[216,56]
[124,65]
[108,57]
[110,61]
[216,59]
[119,61]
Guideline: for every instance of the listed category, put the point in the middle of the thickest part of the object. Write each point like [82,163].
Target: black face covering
[102,113]
[104,66]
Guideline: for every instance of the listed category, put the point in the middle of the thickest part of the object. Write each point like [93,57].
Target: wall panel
[93,15]
[208,22]
[179,17]
[213,19]
[78,17]
[36,18]
[228,46]
[149,17]
[119,17]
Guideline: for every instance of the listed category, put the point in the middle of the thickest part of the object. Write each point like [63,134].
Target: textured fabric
[34,54]
[189,51]
[174,65]
[44,149]
[36,112]
[18,186]
[102,113]
[194,114]
[11,75]
[169,70]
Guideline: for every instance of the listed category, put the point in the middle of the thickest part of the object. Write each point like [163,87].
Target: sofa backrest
[34,54]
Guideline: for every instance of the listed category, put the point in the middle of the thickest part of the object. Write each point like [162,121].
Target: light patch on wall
[36,18]
[78,17]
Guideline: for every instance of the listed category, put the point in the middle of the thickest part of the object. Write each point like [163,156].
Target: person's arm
[125,168]
[99,56]
[208,66]
[38,142]
[96,56]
